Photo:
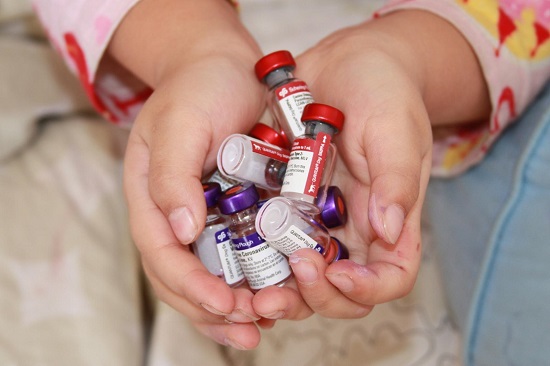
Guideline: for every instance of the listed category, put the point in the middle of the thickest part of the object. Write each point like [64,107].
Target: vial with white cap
[213,246]
[245,158]
[309,170]
[262,265]
[289,95]
[260,131]
[286,228]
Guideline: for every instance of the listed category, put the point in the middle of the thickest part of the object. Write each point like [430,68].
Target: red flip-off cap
[324,113]
[273,61]
[265,133]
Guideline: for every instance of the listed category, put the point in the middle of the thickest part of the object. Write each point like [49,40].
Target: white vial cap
[231,154]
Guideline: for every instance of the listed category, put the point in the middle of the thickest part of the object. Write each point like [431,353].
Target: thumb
[399,162]
[178,154]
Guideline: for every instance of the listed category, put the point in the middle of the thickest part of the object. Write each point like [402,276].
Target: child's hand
[390,77]
[200,64]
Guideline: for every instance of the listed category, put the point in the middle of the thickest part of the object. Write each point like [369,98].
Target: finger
[244,311]
[169,261]
[239,336]
[178,150]
[194,312]
[309,267]
[396,152]
[274,302]
[390,273]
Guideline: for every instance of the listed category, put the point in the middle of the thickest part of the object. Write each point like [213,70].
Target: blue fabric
[491,228]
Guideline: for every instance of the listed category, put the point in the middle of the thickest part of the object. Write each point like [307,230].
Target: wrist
[157,37]
[439,61]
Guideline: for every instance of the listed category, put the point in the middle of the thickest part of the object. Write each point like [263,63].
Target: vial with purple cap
[213,246]
[262,265]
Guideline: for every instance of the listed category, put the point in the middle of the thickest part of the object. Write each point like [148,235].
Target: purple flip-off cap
[238,198]
[342,252]
[212,192]
[334,211]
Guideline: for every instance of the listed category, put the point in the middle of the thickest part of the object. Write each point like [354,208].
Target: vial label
[294,239]
[224,182]
[292,98]
[262,265]
[230,263]
[272,152]
[304,171]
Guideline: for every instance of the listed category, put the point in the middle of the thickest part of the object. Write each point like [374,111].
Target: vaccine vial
[245,158]
[213,246]
[268,134]
[262,265]
[224,182]
[334,212]
[262,132]
[289,95]
[312,157]
[336,251]
[286,228]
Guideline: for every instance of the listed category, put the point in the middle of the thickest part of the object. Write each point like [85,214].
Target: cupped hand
[383,168]
[199,60]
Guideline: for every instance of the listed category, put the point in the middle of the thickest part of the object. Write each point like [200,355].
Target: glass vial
[286,228]
[213,246]
[289,95]
[245,158]
[262,265]
[312,157]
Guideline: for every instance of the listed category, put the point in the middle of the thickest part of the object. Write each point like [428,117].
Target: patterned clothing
[510,37]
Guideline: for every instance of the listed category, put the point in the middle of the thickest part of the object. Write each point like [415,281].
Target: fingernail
[183,224]
[240,316]
[304,269]
[213,310]
[342,281]
[234,344]
[387,221]
[275,315]
[394,217]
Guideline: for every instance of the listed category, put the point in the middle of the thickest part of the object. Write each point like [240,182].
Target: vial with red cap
[262,264]
[286,228]
[213,246]
[309,169]
[289,95]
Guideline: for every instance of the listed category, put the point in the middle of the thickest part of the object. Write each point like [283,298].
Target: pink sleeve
[512,41]
[80,31]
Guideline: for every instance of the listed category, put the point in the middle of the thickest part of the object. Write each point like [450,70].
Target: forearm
[440,60]
[157,36]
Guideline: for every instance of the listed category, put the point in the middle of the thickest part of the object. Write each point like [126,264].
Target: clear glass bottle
[213,246]
[286,228]
[309,170]
[262,265]
[245,158]
[289,95]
